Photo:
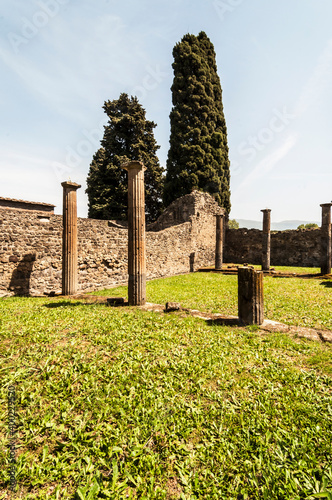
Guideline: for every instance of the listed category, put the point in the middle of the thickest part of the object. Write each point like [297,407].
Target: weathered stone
[172,306]
[69,238]
[192,262]
[250,296]
[288,248]
[169,246]
[266,244]
[219,241]
[326,239]
[136,234]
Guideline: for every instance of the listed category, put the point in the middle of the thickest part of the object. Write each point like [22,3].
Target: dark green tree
[128,136]
[198,154]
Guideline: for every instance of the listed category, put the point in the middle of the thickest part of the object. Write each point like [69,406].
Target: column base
[137,289]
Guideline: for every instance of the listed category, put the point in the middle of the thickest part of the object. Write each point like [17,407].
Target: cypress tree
[198,154]
[127,136]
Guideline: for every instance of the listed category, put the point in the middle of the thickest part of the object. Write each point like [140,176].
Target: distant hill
[275,226]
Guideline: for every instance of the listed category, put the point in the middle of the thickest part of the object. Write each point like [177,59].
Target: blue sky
[61,59]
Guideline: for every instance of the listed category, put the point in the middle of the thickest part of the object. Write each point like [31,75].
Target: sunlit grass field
[294,301]
[121,403]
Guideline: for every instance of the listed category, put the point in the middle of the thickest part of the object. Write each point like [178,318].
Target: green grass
[120,403]
[294,301]
[284,269]
[298,270]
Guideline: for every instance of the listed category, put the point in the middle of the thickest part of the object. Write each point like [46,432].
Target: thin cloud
[269,163]
[81,68]
[319,81]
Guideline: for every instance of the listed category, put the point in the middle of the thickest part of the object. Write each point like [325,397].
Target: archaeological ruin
[186,237]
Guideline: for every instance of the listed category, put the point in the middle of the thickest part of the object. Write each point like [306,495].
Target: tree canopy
[128,136]
[310,225]
[233,224]
[198,154]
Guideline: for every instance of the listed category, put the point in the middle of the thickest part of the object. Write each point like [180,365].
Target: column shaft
[326,239]
[136,234]
[266,243]
[219,241]
[69,238]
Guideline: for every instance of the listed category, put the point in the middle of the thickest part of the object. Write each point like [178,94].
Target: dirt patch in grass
[173,489]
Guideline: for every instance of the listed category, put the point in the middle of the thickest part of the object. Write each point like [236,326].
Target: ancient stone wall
[195,206]
[31,248]
[297,247]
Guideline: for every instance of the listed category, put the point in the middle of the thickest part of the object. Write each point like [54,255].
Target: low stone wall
[288,248]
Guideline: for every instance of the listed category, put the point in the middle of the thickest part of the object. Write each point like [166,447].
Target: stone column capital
[266,210]
[70,185]
[326,205]
[133,165]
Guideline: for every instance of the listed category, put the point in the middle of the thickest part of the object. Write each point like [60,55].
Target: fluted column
[250,296]
[136,234]
[266,247]
[326,239]
[219,241]
[69,238]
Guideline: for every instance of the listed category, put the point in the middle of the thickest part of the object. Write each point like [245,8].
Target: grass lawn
[294,301]
[120,403]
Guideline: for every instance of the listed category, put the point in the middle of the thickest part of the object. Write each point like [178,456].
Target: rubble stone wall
[299,247]
[31,247]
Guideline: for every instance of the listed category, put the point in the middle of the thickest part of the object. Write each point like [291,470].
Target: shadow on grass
[327,284]
[233,322]
[67,303]
[225,322]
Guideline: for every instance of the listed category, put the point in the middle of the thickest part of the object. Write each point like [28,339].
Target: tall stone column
[326,239]
[266,247]
[69,238]
[219,241]
[136,234]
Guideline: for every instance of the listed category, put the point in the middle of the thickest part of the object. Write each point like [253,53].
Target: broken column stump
[266,246]
[69,238]
[250,296]
[136,234]
[219,242]
[326,239]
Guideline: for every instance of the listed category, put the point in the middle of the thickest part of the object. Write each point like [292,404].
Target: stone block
[172,306]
